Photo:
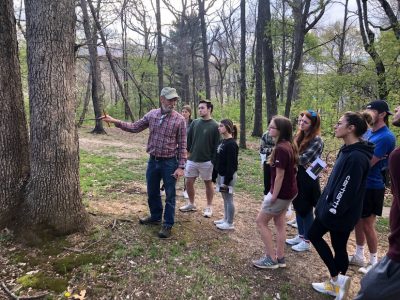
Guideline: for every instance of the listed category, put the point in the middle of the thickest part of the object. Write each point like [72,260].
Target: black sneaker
[149,221]
[165,232]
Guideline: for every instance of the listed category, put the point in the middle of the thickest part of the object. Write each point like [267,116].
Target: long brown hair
[302,139]
[230,127]
[284,127]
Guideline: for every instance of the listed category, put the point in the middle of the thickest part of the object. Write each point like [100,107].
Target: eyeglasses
[312,113]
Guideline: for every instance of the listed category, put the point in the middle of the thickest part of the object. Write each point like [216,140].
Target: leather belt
[160,158]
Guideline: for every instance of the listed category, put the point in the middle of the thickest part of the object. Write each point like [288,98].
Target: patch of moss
[43,282]
[55,246]
[68,263]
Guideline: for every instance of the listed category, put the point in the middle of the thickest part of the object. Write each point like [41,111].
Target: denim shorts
[274,208]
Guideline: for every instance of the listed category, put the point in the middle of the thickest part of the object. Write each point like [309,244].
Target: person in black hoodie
[226,167]
[340,205]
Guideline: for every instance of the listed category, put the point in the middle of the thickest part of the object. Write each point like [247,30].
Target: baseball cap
[380,106]
[169,93]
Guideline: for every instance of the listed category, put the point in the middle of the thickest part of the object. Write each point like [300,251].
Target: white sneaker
[302,246]
[219,221]
[188,207]
[185,194]
[356,260]
[326,287]
[294,241]
[207,212]
[344,285]
[225,226]
[365,270]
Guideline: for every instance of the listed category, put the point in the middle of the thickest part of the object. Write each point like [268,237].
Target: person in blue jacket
[340,205]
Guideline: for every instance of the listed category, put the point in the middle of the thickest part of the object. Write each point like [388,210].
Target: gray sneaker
[188,207]
[281,262]
[265,262]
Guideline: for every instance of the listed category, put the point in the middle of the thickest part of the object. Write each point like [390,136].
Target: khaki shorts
[275,208]
[196,169]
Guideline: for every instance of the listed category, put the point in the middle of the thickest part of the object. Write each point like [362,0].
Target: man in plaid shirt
[167,148]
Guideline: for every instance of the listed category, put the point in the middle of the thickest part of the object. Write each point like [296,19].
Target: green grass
[382,225]
[98,173]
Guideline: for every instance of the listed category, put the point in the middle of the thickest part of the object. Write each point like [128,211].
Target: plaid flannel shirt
[167,134]
[313,150]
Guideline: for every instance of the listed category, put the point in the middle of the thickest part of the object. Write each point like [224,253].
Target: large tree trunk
[91,38]
[260,27]
[269,75]
[205,48]
[53,193]
[242,142]
[14,156]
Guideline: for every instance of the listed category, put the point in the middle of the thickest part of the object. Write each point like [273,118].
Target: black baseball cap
[380,106]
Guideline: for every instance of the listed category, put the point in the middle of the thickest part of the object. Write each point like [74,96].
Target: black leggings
[340,262]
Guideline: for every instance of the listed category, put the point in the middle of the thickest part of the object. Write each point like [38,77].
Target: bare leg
[190,188]
[280,223]
[370,233]
[266,234]
[359,232]
[209,192]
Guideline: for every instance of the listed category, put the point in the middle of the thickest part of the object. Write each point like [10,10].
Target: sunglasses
[312,113]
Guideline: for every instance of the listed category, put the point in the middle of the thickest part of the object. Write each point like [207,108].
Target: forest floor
[119,259]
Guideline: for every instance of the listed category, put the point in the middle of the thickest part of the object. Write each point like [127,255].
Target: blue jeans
[304,224]
[157,170]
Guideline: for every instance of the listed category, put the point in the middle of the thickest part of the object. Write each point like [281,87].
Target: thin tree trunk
[53,198]
[393,19]
[205,48]
[258,101]
[269,75]
[14,155]
[160,49]
[242,142]
[283,55]
[343,39]
[368,38]
[300,17]
[110,60]
[86,101]
[125,55]
[91,38]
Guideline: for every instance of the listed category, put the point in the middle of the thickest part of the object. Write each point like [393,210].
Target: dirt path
[303,268]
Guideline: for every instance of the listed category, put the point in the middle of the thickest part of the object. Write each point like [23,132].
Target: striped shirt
[167,136]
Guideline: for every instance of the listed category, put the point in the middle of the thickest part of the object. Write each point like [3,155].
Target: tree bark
[242,142]
[394,21]
[300,16]
[258,112]
[368,38]
[14,155]
[53,198]
[269,75]
[343,40]
[160,49]
[111,62]
[91,38]
[85,101]
[205,48]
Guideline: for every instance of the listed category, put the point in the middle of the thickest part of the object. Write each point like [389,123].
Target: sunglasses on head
[312,113]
